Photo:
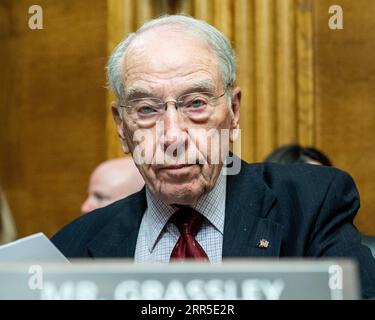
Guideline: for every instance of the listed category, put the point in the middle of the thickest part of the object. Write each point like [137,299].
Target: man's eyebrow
[136,93]
[202,86]
[139,93]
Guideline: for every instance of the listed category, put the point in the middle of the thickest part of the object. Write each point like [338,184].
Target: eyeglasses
[197,106]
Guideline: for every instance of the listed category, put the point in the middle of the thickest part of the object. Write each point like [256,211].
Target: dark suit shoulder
[72,239]
[302,180]
[296,173]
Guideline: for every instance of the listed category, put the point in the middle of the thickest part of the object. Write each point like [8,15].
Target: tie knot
[188,221]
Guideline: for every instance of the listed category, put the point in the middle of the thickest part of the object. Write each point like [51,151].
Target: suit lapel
[249,202]
[119,237]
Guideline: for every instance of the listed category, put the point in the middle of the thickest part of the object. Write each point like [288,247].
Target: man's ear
[235,122]
[119,126]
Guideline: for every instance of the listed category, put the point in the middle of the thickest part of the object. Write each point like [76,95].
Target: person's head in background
[294,153]
[112,180]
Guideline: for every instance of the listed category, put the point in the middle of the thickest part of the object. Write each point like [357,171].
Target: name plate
[246,279]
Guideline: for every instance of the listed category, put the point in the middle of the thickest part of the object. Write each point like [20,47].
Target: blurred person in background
[7,227]
[112,180]
[294,153]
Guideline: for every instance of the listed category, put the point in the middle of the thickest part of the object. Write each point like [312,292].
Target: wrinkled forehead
[168,36]
[167,53]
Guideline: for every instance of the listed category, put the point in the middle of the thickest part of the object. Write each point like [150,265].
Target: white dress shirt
[157,237]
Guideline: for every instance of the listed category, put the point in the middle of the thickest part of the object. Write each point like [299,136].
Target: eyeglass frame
[174,101]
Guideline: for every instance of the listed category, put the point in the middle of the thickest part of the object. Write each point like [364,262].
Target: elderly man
[175,83]
[112,180]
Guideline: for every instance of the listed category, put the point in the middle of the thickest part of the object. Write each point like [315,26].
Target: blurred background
[301,81]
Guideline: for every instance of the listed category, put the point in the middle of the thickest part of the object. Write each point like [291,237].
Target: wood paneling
[52,109]
[305,75]
[345,96]
[265,71]
[244,41]
[223,16]
[286,72]
[123,20]
[204,10]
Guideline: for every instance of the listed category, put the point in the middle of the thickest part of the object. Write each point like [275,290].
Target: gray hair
[217,41]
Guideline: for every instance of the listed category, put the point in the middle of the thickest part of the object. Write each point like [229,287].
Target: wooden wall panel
[286,72]
[305,123]
[123,20]
[52,109]
[204,10]
[223,16]
[345,96]
[265,71]
[185,6]
[244,41]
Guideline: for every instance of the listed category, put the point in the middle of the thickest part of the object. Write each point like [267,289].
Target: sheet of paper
[36,247]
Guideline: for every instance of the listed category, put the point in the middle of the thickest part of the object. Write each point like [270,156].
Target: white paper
[36,247]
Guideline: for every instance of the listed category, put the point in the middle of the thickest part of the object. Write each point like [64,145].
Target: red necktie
[188,221]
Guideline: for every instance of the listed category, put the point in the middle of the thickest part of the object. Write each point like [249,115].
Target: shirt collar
[211,205]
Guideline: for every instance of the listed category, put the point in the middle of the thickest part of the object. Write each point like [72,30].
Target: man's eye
[197,103]
[146,110]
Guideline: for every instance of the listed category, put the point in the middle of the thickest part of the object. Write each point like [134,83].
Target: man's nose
[174,133]
[87,206]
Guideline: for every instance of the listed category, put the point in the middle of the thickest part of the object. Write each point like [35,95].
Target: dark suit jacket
[303,210]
